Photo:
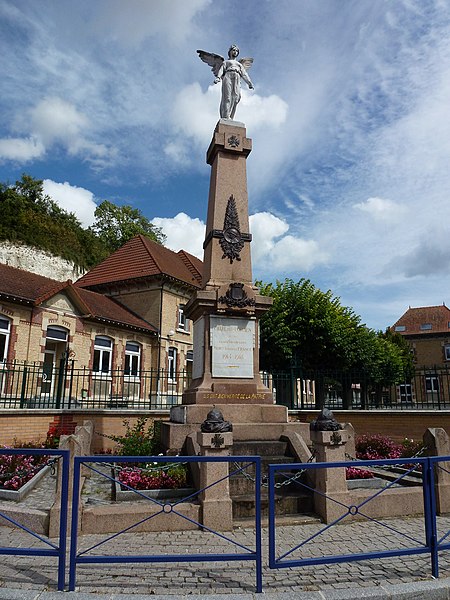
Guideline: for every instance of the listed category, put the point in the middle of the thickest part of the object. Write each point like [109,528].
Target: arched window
[102,354]
[132,359]
[5,330]
[59,334]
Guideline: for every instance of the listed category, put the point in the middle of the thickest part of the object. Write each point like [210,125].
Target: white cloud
[73,199]
[53,120]
[183,233]
[195,112]
[272,251]
[381,209]
[139,19]
[20,149]
[289,252]
[265,228]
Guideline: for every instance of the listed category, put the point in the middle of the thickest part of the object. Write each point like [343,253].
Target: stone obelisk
[226,311]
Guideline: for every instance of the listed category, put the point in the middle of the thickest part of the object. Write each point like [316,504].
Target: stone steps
[290,500]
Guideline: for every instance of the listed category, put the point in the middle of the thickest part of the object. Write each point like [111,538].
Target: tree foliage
[28,215]
[114,225]
[310,328]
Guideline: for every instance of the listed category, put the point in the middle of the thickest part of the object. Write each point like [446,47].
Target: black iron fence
[35,385]
[67,386]
[426,388]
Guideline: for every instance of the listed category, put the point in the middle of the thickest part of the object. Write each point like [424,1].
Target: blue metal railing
[409,544]
[164,508]
[57,550]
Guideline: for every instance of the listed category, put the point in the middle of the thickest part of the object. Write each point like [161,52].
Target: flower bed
[156,479]
[20,473]
[378,447]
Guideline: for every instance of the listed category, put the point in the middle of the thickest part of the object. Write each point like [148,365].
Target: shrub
[138,440]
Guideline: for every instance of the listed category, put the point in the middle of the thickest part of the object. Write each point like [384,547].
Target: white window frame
[103,350]
[431,384]
[183,321]
[56,337]
[5,333]
[133,358]
[172,355]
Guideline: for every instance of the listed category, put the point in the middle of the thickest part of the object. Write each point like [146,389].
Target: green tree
[115,225]
[311,328]
[28,215]
[308,332]
[308,327]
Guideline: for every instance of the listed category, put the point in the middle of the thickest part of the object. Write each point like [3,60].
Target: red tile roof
[28,288]
[141,257]
[424,320]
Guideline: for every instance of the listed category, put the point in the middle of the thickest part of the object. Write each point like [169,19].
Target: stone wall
[397,424]
[38,261]
[33,424]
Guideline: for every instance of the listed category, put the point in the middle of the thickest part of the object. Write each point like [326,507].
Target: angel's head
[233,49]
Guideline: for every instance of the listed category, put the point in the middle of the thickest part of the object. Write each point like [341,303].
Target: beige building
[116,337]
[427,330]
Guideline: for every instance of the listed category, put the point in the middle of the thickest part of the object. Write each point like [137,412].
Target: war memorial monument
[226,310]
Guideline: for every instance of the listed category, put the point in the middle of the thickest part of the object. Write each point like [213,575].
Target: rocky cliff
[38,261]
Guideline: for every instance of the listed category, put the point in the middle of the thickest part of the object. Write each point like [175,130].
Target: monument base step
[173,435]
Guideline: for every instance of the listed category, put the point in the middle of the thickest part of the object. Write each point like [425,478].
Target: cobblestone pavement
[232,577]
[39,573]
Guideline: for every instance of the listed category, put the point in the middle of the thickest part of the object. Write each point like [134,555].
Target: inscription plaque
[232,342]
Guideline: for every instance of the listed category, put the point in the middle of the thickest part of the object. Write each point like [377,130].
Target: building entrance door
[48,371]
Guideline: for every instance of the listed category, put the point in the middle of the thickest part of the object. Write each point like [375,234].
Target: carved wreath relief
[231,241]
[236,297]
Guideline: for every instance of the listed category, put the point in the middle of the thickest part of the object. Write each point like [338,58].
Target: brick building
[427,330]
[123,317]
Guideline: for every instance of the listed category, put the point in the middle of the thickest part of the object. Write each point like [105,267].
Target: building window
[447,351]
[172,367]
[5,329]
[102,354]
[400,328]
[57,333]
[426,326]
[431,384]
[183,322]
[132,359]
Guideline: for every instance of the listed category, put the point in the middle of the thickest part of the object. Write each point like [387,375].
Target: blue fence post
[74,524]
[258,525]
[63,520]
[430,482]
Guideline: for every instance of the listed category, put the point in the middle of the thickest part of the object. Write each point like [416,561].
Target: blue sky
[349,177]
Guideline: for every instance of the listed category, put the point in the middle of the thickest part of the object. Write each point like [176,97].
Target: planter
[162,494]
[18,495]
[126,495]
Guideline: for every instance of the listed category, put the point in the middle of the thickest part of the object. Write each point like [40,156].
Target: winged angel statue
[229,72]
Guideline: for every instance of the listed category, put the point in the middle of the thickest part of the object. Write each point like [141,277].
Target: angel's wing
[246,63]
[213,60]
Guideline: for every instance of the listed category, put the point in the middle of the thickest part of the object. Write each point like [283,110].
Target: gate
[405,543]
[51,549]
[166,508]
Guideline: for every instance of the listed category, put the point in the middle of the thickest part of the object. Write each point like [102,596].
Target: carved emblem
[236,297]
[233,140]
[231,241]
[217,440]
